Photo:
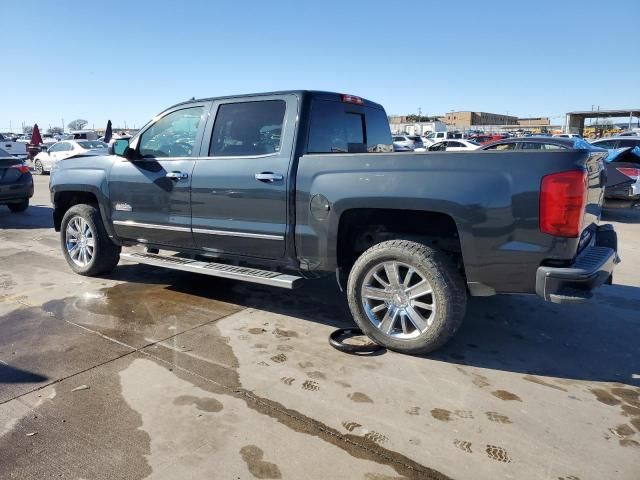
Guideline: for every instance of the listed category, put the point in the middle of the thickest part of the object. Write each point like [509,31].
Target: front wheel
[85,242]
[38,168]
[406,296]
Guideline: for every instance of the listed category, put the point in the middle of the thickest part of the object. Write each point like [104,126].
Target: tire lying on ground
[406,296]
[85,243]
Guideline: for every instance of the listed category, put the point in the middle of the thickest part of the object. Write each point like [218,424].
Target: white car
[568,135]
[458,145]
[435,137]
[44,161]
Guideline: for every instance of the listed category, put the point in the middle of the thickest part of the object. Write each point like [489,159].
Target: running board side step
[246,274]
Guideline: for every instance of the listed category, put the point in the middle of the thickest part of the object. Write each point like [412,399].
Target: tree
[54,130]
[420,118]
[27,129]
[78,124]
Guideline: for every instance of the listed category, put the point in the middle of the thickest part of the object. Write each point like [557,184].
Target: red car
[485,139]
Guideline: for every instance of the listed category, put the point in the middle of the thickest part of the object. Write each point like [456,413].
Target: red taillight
[633,173]
[352,99]
[563,197]
[21,168]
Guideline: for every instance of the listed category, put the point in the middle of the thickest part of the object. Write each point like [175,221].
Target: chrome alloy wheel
[398,300]
[80,241]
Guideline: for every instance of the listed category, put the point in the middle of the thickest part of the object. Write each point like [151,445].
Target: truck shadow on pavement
[9,374]
[595,341]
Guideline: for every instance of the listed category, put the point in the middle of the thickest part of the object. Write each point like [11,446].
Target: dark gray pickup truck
[274,188]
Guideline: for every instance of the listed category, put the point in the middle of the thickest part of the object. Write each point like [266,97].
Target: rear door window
[337,127]
[542,146]
[606,144]
[248,129]
[502,146]
[629,143]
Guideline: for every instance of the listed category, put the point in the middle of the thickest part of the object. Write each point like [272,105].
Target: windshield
[92,144]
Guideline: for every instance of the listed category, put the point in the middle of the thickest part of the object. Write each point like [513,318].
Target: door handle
[177,175]
[269,177]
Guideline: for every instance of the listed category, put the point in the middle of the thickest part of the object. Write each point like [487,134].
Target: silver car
[407,143]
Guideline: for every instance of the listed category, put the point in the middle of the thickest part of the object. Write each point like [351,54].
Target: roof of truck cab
[300,93]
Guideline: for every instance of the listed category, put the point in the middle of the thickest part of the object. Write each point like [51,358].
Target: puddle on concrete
[441,414]
[506,395]
[360,397]
[252,456]
[204,404]
[73,427]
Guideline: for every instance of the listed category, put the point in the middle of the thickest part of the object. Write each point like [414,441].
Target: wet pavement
[153,373]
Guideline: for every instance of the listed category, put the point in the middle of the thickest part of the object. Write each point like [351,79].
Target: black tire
[38,168]
[449,294]
[106,254]
[19,207]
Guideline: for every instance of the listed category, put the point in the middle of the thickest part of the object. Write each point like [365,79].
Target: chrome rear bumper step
[246,274]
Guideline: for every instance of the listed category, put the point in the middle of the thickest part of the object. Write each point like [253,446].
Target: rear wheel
[406,296]
[38,169]
[19,207]
[85,242]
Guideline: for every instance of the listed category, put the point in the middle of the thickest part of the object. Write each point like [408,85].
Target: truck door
[240,182]
[150,196]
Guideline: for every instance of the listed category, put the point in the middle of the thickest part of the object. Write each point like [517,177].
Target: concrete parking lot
[162,374]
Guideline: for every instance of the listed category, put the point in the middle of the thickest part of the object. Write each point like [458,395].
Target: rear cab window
[338,127]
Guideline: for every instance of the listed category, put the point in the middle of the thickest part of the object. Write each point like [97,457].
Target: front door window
[174,135]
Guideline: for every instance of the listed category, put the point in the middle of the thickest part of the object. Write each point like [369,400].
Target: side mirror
[121,148]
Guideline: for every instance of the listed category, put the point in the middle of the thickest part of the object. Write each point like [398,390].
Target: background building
[465,119]
[537,121]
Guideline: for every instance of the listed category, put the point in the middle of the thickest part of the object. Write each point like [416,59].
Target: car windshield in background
[92,145]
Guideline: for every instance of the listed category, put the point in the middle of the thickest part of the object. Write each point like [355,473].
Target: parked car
[567,135]
[45,160]
[622,166]
[48,139]
[408,143]
[10,146]
[623,178]
[16,182]
[434,137]
[485,139]
[617,142]
[82,135]
[284,186]
[460,145]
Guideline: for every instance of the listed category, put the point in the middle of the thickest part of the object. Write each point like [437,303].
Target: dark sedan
[622,189]
[16,183]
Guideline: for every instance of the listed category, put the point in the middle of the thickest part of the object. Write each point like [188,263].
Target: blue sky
[129,60]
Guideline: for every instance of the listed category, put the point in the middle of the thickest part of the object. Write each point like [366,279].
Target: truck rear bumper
[593,267]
